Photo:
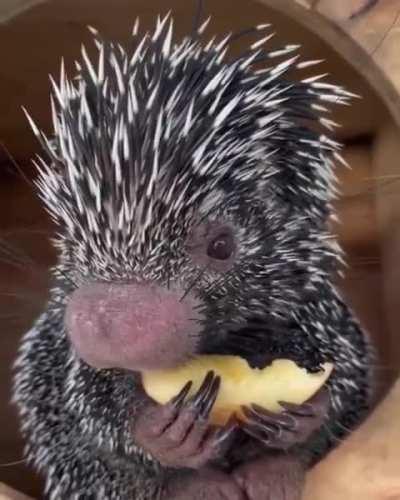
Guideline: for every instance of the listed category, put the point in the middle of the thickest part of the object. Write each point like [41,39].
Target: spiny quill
[134,121]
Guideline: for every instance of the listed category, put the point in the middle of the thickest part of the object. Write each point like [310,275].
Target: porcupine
[193,195]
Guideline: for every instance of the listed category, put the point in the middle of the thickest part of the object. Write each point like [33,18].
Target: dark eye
[221,247]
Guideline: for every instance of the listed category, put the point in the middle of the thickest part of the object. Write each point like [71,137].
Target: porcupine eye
[212,245]
[221,247]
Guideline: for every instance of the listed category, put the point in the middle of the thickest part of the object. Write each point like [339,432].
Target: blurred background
[33,37]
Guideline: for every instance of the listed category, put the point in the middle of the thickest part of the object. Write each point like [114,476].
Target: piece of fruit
[241,385]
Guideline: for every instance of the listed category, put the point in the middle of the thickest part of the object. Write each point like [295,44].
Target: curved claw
[178,400]
[262,435]
[293,426]
[304,410]
[228,430]
[204,399]
[312,407]
[265,418]
[202,392]
[210,399]
[219,440]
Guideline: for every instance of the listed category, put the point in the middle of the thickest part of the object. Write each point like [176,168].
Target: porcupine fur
[144,141]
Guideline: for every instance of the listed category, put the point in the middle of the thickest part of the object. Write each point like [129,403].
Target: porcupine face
[189,179]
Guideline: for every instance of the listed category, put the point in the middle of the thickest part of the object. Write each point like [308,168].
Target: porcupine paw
[292,427]
[178,434]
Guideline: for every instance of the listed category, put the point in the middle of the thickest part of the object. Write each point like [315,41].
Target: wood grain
[369,41]
[11,8]
[386,164]
[358,228]
[344,10]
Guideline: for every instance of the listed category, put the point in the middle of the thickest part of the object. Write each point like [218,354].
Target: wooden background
[31,46]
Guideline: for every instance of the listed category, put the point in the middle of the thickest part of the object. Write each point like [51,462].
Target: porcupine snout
[132,326]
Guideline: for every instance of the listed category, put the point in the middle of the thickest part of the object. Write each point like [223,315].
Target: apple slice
[241,385]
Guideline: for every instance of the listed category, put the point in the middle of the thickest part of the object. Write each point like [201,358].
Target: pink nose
[134,326]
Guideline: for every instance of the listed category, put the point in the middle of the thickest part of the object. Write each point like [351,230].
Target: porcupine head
[192,192]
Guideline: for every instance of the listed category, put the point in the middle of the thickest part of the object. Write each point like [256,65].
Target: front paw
[271,478]
[178,434]
[293,426]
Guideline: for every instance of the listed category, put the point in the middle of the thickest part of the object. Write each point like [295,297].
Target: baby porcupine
[192,194]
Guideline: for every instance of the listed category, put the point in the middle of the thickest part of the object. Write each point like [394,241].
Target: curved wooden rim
[342,43]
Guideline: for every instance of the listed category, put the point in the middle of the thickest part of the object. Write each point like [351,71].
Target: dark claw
[178,400]
[285,420]
[262,425]
[210,400]
[318,404]
[270,420]
[197,399]
[227,431]
[256,433]
[304,410]
[221,439]
[208,390]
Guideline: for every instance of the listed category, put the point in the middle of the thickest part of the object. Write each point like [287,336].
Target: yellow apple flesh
[241,385]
